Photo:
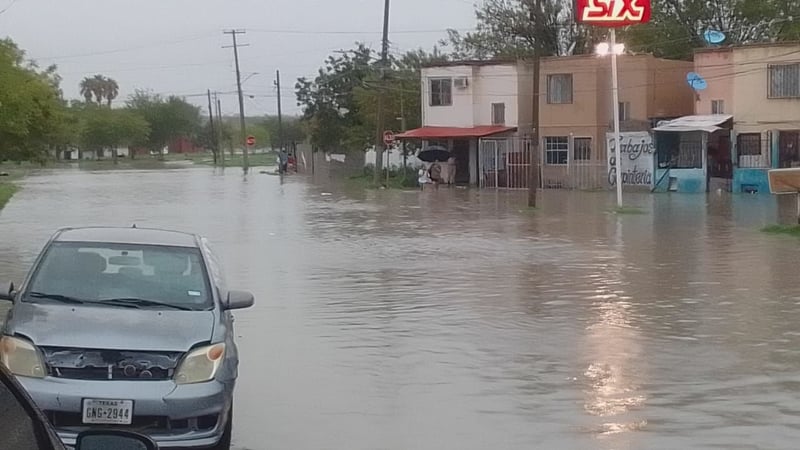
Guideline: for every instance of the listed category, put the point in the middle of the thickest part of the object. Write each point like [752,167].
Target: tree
[105,128]
[102,88]
[32,113]
[329,107]
[506,29]
[169,118]
[293,130]
[677,26]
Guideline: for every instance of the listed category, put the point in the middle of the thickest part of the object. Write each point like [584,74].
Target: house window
[717,106]
[784,81]
[559,88]
[624,111]
[441,91]
[582,149]
[498,113]
[556,150]
[748,148]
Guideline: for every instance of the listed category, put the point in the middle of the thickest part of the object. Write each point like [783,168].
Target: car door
[220,288]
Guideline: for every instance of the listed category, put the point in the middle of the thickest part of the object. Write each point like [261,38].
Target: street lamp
[614,49]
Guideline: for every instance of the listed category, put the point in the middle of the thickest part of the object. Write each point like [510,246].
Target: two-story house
[576,117]
[759,86]
[468,101]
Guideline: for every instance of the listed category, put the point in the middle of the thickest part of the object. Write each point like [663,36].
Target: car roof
[132,235]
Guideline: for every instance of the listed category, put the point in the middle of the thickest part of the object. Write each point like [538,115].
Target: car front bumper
[169,403]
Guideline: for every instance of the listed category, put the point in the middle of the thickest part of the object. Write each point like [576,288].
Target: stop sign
[388,137]
[251,141]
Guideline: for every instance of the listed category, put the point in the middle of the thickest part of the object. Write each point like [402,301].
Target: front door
[789,146]
[461,153]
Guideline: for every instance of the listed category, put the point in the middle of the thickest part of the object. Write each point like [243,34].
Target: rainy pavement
[455,319]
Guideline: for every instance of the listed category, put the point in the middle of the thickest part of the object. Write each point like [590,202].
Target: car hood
[110,328]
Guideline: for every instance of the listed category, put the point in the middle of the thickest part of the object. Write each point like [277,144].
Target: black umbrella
[434,154]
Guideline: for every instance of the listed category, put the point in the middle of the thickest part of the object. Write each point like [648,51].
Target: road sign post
[388,141]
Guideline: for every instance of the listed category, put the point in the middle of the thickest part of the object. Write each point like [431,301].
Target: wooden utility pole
[379,145]
[533,168]
[214,147]
[280,113]
[235,46]
[219,135]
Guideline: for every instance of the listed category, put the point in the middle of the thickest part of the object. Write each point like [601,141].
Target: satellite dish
[696,81]
[714,37]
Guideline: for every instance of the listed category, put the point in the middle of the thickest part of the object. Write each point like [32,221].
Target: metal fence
[504,162]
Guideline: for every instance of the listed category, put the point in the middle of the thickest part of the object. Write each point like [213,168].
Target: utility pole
[214,147]
[379,145]
[235,46]
[219,135]
[533,168]
[280,113]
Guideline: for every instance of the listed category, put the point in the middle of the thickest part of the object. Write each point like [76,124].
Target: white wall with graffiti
[637,153]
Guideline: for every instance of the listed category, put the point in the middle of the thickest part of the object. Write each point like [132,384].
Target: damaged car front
[127,335]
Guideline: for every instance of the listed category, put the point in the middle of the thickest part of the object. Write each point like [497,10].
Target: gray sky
[174,46]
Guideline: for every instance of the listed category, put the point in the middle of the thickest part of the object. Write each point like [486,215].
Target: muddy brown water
[453,319]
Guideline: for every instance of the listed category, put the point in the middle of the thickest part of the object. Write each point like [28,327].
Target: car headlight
[21,357]
[200,365]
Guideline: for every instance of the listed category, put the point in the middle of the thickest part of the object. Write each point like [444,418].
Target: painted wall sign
[637,153]
[612,13]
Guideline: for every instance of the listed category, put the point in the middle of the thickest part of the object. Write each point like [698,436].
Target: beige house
[576,112]
[759,85]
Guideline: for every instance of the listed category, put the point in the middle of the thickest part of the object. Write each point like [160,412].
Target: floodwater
[454,319]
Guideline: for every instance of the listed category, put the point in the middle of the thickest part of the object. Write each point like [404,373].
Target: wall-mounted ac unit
[461,82]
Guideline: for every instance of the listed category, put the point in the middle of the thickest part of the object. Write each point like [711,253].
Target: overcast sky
[174,46]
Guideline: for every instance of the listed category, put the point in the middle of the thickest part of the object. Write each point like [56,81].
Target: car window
[96,272]
[17,430]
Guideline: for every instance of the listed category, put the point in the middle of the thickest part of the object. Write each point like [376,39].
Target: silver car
[127,328]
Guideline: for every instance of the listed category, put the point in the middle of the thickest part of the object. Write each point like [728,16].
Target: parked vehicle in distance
[129,328]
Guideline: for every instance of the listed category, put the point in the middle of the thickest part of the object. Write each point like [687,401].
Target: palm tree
[111,90]
[87,90]
[101,88]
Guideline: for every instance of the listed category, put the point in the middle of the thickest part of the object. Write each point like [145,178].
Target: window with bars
[784,81]
[559,88]
[748,148]
[582,149]
[556,150]
[441,91]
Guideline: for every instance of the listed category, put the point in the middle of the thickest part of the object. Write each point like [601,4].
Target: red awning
[454,132]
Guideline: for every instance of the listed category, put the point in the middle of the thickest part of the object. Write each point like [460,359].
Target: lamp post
[615,49]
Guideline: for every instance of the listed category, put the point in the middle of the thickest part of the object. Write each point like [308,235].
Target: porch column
[473,162]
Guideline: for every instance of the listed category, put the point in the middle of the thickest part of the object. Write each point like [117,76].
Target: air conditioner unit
[461,83]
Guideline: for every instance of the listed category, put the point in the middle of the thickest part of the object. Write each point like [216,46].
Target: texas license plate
[107,412]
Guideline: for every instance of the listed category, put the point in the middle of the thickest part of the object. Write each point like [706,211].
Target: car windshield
[122,275]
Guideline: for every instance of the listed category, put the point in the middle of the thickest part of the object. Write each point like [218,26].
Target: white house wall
[459,113]
[472,106]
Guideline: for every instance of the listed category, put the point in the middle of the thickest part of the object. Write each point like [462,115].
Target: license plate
[107,412]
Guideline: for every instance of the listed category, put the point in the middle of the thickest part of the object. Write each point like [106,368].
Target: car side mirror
[239,300]
[7,293]
[116,439]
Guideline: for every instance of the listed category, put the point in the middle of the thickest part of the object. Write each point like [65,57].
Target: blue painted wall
[750,179]
[690,181]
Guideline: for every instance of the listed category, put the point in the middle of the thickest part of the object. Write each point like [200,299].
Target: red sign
[388,137]
[251,141]
[612,13]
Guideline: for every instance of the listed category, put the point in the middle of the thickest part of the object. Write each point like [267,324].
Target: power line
[353,32]
[13,2]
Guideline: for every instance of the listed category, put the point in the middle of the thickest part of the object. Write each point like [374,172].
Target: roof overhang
[454,132]
[707,123]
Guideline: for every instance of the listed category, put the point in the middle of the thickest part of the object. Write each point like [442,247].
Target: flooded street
[454,320]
